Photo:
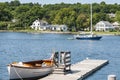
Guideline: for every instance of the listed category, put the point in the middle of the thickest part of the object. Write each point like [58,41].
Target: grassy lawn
[34,31]
[108,33]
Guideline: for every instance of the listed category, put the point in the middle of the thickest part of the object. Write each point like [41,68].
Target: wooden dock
[79,71]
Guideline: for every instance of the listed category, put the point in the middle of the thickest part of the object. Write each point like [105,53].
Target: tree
[3,25]
[117,16]
[96,8]
[65,16]
[82,22]
[20,10]
[100,17]
[15,3]
[49,16]
[5,15]
[73,15]
[102,3]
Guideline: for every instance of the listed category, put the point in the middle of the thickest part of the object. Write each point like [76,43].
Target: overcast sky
[65,1]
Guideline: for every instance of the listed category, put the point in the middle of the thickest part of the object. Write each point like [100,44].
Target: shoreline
[31,31]
[58,32]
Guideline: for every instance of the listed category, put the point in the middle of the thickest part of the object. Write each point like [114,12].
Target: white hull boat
[31,70]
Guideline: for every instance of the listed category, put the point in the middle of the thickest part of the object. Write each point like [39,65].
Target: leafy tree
[75,16]
[49,16]
[15,3]
[65,16]
[100,17]
[117,16]
[96,8]
[5,15]
[102,3]
[3,25]
[82,22]
[21,11]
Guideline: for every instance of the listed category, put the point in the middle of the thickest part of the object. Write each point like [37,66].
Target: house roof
[116,23]
[41,21]
[104,22]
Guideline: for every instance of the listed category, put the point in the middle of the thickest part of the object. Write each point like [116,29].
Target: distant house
[116,25]
[59,28]
[104,26]
[14,20]
[43,26]
[111,15]
[40,25]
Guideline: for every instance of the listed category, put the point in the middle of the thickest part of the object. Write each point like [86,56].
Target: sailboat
[88,36]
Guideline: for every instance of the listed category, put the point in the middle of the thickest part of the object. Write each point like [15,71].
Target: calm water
[27,46]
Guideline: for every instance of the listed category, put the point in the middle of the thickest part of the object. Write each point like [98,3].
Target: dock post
[111,77]
[62,62]
[56,58]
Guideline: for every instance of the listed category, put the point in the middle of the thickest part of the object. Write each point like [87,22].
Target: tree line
[15,15]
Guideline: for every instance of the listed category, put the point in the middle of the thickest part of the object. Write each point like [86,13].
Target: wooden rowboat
[30,70]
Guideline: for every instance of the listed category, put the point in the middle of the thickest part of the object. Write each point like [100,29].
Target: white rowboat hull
[24,73]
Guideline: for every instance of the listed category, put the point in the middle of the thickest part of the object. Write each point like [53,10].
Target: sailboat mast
[91,16]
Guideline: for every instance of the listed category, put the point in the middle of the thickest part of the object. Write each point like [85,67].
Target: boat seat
[38,65]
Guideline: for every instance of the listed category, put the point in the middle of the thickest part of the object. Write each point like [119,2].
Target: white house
[59,28]
[111,15]
[43,25]
[40,25]
[116,25]
[103,26]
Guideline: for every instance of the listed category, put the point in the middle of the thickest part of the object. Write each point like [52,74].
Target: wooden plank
[80,70]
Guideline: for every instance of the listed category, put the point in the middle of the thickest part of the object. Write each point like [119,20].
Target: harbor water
[17,46]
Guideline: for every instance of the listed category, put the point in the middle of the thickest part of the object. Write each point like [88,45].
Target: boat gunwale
[32,64]
[89,38]
[34,67]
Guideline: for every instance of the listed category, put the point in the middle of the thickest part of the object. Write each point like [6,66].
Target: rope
[15,70]
[17,73]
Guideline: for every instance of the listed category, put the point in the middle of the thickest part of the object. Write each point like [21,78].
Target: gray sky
[65,1]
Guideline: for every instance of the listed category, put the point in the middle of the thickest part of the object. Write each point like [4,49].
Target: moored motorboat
[30,70]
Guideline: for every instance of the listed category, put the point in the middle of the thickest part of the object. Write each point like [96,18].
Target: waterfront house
[59,28]
[111,15]
[43,26]
[40,25]
[104,26]
[116,25]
